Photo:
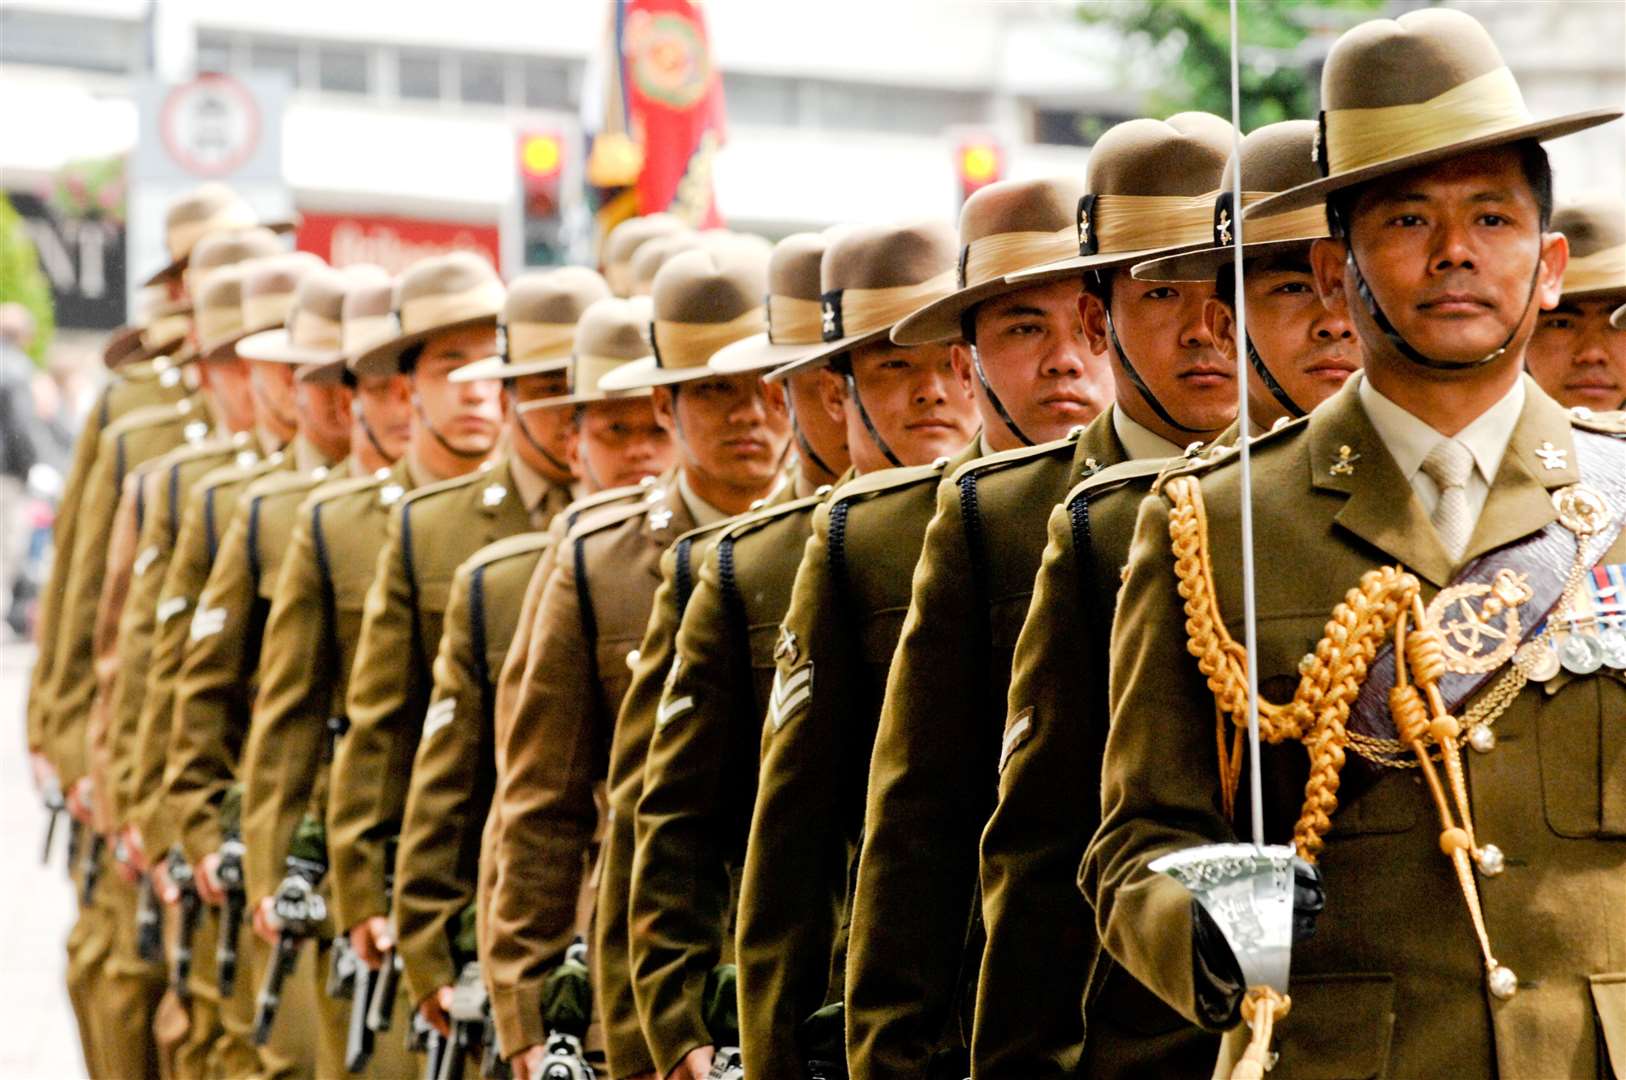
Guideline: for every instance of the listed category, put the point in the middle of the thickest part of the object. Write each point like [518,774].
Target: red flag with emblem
[674,95]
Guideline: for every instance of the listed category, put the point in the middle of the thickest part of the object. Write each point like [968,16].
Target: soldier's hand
[371,940]
[163,884]
[43,772]
[528,1062]
[207,882]
[134,850]
[436,1008]
[78,800]
[696,1064]
[266,924]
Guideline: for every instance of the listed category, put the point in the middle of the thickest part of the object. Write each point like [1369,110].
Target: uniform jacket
[910,968]
[556,753]
[846,611]
[1392,983]
[430,533]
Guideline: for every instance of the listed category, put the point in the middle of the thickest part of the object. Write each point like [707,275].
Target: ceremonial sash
[1543,559]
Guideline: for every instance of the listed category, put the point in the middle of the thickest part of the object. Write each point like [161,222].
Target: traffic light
[980,161]
[541,166]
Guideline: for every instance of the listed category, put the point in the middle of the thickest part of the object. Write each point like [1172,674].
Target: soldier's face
[1160,325]
[732,429]
[274,405]
[324,412]
[227,384]
[824,432]
[918,401]
[1309,350]
[619,443]
[385,402]
[1577,357]
[550,428]
[468,415]
[1450,252]
[1040,363]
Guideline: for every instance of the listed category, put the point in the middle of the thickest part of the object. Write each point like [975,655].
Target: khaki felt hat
[624,241]
[265,290]
[871,277]
[612,333]
[702,301]
[1400,93]
[207,208]
[1150,186]
[537,329]
[319,326]
[1596,230]
[172,320]
[1004,227]
[1275,158]
[434,295]
[794,323]
[654,255]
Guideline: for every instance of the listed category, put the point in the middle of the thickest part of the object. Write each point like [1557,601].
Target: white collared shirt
[1139,440]
[702,511]
[1409,440]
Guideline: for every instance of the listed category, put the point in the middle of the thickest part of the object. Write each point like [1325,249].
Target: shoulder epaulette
[885,480]
[1004,459]
[750,522]
[349,485]
[283,481]
[603,498]
[152,416]
[439,487]
[1601,423]
[1201,460]
[606,517]
[186,452]
[1124,472]
[509,547]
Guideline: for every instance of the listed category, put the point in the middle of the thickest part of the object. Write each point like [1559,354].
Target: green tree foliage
[1188,44]
[22,280]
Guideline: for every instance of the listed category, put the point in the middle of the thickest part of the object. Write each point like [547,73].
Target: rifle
[471,1021]
[149,924]
[92,869]
[567,1008]
[55,804]
[76,841]
[381,1011]
[720,1009]
[301,911]
[230,875]
[422,1038]
[191,905]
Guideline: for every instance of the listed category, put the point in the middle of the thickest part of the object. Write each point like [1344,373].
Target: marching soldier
[1438,493]
[432,532]
[730,434]
[905,406]
[1576,355]
[1299,352]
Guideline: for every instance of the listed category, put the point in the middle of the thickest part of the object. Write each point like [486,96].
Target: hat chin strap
[1404,347]
[372,437]
[1277,391]
[869,424]
[993,398]
[428,425]
[802,445]
[525,433]
[1140,384]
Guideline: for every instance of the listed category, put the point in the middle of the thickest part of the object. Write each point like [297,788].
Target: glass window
[761,99]
[342,69]
[547,84]
[270,54]
[87,42]
[214,51]
[480,79]
[418,74]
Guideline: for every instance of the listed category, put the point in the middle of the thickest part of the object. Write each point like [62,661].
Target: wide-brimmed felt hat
[319,327]
[794,312]
[537,329]
[871,276]
[1400,93]
[650,257]
[207,208]
[1004,227]
[170,322]
[1275,158]
[266,289]
[703,300]
[612,333]
[1596,230]
[1618,319]
[447,292]
[366,319]
[624,241]
[310,335]
[1150,187]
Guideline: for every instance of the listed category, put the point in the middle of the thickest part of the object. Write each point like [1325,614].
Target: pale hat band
[684,346]
[794,321]
[424,313]
[586,373]
[165,330]
[1126,223]
[181,237]
[1306,223]
[857,312]
[310,330]
[216,325]
[990,258]
[1485,105]
[539,341]
[308,338]
[1597,272]
[267,310]
[1263,237]
[360,333]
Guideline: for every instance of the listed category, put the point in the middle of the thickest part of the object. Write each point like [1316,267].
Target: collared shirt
[702,511]
[306,457]
[531,485]
[1409,440]
[1139,440]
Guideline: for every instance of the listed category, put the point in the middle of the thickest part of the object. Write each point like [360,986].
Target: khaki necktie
[1449,465]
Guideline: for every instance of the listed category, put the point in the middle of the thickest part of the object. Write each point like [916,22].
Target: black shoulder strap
[174,503]
[412,589]
[254,566]
[584,596]
[477,635]
[209,530]
[683,573]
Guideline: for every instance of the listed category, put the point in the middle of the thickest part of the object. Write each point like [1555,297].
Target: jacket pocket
[1581,728]
[1341,1027]
[1609,1004]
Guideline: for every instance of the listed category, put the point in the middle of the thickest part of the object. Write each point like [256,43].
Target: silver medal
[1612,640]
[1537,660]
[1580,654]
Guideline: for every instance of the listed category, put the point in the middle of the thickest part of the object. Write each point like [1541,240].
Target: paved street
[36,908]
